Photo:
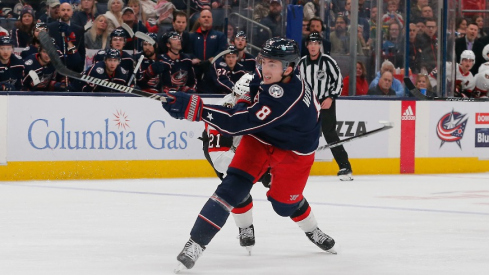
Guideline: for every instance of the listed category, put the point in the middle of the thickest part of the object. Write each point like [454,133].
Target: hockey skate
[322,240]
[189,255]
[345,174]
[247,238]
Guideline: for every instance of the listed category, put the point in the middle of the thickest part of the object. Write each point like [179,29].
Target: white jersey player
[485,55]
[465,81]
[481,84]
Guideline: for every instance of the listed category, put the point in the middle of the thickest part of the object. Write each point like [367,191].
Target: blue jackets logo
[482,137]
[451,127]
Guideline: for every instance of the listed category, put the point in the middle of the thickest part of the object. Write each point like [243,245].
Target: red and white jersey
[481,84]
[483,67]
[465,80]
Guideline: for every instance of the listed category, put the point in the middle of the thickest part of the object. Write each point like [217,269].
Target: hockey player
[323,74]
[281,130]
[485,55]
[225,72]
[151,55]
[481,84]
[464,80]
[11,66]
[34,45]
[110,69]
[117,41]
[175,68]
[46,77]
[247,60]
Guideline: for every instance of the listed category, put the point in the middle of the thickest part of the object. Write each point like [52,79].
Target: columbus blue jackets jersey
[221,78]
[98,71]
[12,72]
[47,75]
[285,115]
[147,83]
[248,62]
[126,60]
[178,73]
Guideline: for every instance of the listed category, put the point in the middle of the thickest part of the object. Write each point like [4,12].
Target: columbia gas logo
[408,114]
[481,118]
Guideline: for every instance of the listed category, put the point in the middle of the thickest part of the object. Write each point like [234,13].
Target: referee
[322,73]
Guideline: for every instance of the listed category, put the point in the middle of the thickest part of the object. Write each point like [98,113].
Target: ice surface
[404,224]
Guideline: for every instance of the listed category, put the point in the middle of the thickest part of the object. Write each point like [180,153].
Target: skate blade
[249,248]
[346,178]
[179,268]
[332,251]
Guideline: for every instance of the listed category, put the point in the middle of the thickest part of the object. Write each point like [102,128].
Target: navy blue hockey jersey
[178,74]
[221,78]
[47,75]
[98,71]
[285,115]
[13,72]
[126,61]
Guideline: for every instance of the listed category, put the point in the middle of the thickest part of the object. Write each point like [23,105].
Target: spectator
[97,37]
[363,10]
[114,14]
[129,18]
[52,12]
[311,10]
[273,20]
[421,25]
[110,69]
[392,15]
[261,10]
[373,27]
[427,12]
[361,21]
[362,84]
[392,47]
[384,87]
[230,32]
[34,44]
[148,12]
[423,82]
[138,24]
[461,27]
[164,11]
[68,36]
[11,66]
[244,58]
[416,9]
[22,33]
[305,28]
[316,25]
[85,14]
[479,20]
[225,72]
[415,51]
[396,84]
[340,38]
[430,46]
[467,42]
[179,25]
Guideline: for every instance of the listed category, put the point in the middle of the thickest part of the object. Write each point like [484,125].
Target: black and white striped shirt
[322,74]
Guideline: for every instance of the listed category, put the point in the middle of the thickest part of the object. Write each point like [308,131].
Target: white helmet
[467,54]
[485,52]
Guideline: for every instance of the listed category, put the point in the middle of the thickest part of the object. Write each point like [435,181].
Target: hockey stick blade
[34,77]
[128,29]
[145,37]
[387,126]
[47,44]
[417,93]
[219,55]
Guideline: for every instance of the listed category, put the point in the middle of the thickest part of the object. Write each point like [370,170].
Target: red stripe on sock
[244,209]
[303,216]
[210,222]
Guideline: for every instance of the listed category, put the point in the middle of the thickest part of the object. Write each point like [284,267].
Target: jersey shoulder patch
[276,91]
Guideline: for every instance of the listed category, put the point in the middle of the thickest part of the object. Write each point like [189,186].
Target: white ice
[404,224]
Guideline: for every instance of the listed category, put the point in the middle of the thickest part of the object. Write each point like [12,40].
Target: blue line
[260,200]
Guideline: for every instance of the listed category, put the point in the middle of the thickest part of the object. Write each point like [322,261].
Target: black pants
[328,127]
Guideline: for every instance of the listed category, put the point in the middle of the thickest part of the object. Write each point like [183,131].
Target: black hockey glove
[184,106]
[156,68]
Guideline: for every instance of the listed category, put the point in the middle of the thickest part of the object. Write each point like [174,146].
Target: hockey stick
[128,29]
[219,55]
[138,65]
[386,126]
[145,37]
[46,43]
[34,77]
[417,93]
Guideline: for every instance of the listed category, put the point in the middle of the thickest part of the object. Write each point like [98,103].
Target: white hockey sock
[309,223]
[245,219]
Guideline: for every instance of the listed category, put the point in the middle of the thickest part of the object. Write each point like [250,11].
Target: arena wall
[84,137]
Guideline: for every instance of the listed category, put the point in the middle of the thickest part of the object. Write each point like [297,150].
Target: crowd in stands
[178,48]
